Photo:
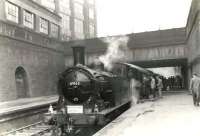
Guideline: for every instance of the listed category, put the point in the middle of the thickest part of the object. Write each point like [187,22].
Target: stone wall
[41,58]
[193,36]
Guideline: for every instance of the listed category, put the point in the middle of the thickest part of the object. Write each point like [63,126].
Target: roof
[136,67]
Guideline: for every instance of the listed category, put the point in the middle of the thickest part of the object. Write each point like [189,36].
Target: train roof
[136,67]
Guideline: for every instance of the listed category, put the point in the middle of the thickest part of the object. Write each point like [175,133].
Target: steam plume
[117,51]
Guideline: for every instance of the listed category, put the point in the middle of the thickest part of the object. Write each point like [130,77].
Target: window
[54,30]
[91,13]
[65,6]
[50,4]
[65,27]
[92,32]
[28,19]
[78,9]
[43,25]
[12,12]
[79,28]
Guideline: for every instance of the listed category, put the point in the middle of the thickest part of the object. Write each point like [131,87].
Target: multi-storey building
[31,47]
[78,17]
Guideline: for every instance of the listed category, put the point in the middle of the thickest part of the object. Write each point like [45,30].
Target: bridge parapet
[157,38]
[160,53]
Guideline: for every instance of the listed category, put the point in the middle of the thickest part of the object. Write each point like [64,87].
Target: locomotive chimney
[79,55]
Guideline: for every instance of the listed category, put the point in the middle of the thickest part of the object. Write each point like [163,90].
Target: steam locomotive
[88,95]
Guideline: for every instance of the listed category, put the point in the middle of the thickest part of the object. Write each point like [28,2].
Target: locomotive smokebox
[79,55]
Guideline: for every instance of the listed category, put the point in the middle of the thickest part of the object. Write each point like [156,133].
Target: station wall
[193,34]
[40,65]
[40,57]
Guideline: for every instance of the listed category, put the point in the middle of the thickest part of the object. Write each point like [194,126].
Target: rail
[36,129]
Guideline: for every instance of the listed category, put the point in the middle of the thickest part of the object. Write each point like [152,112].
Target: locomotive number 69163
[74,83]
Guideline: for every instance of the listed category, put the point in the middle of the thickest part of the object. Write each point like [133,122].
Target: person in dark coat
[195,89]
[159,86]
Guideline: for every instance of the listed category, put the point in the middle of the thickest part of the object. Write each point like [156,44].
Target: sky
[115,17]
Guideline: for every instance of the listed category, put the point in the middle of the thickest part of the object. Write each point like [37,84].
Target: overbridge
[159,48]
[144,47]
[162,48]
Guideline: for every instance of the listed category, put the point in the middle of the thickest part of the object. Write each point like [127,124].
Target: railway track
[36,129]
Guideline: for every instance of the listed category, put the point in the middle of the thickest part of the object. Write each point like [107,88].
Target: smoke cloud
[117,51]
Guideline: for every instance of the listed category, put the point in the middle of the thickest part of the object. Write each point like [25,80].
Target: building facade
[78,17]
[30,51]
[31,43]
[193,36]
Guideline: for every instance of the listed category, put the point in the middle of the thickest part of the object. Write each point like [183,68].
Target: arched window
[21,83]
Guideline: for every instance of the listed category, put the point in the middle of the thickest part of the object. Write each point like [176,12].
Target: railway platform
[17,113]
[174,114]
[26,103]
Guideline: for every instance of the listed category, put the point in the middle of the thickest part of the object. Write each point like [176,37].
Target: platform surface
[21,104]
[173,115]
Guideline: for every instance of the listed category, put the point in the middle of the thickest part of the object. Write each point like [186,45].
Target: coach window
[28,19]
[12,12]
[44,25]
[21,83]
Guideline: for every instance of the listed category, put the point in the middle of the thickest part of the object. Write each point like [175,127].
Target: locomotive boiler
[86,93]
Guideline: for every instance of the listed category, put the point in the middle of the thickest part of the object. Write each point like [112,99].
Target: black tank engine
[80,84]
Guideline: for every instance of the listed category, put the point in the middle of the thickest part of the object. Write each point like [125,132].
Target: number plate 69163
[74,83]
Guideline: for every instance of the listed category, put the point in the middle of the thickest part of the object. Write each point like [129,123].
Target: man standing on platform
[159,86]
[153,87]
[195,89]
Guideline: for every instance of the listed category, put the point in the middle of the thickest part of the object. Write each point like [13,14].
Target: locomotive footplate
[97,118]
